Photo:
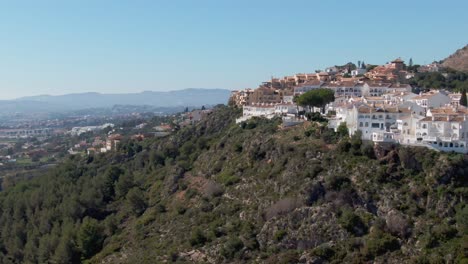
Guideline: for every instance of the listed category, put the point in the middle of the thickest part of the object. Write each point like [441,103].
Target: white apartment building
[249,111]
[446,133]
[432,99]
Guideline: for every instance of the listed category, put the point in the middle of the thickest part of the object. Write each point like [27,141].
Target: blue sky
[59,47]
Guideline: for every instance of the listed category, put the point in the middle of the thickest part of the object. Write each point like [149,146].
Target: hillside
[458,61]
[219,192]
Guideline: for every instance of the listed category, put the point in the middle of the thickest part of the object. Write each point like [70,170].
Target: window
[367,124]
[375,125]
[360,124]
[424,126]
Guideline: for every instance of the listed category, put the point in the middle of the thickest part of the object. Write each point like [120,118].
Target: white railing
[429,138]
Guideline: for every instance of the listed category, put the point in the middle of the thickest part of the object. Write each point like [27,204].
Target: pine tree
[363,65]
[89,237]
[410,62]
[463,99]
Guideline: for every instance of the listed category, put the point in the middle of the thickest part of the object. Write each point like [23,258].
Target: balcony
[429,138]
[383,137]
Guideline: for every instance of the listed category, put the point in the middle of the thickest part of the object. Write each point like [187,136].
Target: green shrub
[190,193]
[368,150]
[136,201]
[342,130]
[324,252]
[462,220]
[238,148]
[279,235]
[231,247]
[352,222]
[227,179]
[90,237]
[337,182]
[197,238]
[380,243]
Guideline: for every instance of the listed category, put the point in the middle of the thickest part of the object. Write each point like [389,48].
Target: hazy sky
[58,47]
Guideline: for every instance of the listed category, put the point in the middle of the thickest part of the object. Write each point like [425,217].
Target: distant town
[383,102]
[38,144]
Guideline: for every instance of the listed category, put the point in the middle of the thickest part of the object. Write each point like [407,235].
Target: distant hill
[458,61]
[187,97]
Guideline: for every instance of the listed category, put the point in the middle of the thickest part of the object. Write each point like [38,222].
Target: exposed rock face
[458,61]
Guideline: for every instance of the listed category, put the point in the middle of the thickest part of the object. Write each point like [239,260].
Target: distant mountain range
[68,102]
[458,61]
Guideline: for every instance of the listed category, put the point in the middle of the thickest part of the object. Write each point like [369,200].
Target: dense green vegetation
[452,80]
[220,192]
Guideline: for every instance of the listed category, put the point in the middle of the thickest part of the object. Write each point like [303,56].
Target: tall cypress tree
[463,100]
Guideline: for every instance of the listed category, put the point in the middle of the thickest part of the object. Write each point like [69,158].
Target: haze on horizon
[57,47]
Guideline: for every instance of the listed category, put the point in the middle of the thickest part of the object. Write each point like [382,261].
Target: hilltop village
[376,100]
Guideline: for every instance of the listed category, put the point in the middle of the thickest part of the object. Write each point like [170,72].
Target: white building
[374,88]
[369,119]
[357,72]
[307,86]
[432,99]
[446,133]
[285,108]
[249,111]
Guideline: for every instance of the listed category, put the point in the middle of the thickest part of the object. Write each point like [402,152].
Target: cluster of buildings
[360,82]
[434,119]
[76,131]
[25,132]
[192,117]
[101,146]
[376,102]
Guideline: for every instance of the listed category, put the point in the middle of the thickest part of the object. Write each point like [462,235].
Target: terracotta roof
[424,96]
[378,84]
[443,119]
[310,83]
[396,85]
[449,110]
[382,109]
[260,106]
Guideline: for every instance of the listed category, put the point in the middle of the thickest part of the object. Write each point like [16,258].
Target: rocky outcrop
[458,61]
